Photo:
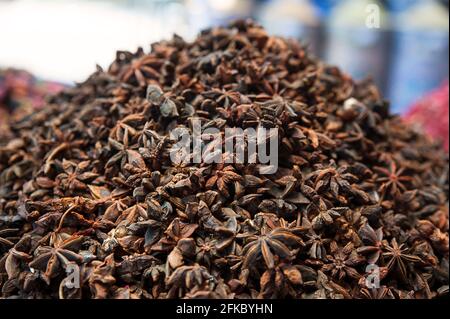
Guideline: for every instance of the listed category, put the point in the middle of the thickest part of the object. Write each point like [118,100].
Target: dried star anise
[272,247]
[374,239]
[7,239]
[186,278]
[342,262]
[398,258]
[392,180]
[51,260]
[94,182]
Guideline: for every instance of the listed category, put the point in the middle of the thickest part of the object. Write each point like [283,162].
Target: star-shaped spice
[342,261]
[336,180]
[322,214]
[281,281]
[176,231]
[276,244]
[65,143]
[186,278]
[7,240]
[51,260]
[141,70]
[224,97]
[376,293]
[392,179]
[74,179]
[374,240]
[316,244]
[125,154]
[222,179]
[206,250]
[398,256]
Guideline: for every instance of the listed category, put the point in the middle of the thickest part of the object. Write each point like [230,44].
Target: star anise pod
[224,97]
[316,243]
[73,179]
[155,276]
[349,224]
[376,293]
[392,179]
[281,282]
[323,215]
[328,289]
[271,246]
[222,179]
[206,250]
[159,219]
[7,240]
[438,238]
[64,142]
[337,181]
[141,69]
[132,214]
[176,231]
[342,261]
[216,291]
[398,258]
[126,153]
[374,243]
[102,278]
[51,260]
[186,278]
[128,125]
[18,256]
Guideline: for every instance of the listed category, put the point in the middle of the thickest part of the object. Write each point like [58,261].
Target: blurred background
[401,44]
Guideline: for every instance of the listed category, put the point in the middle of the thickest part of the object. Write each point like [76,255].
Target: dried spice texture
[87,183]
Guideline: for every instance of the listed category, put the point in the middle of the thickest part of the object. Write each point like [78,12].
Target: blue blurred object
[420,54]
[397,6]
[325,6]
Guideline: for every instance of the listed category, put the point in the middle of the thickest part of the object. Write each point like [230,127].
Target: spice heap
[87,186]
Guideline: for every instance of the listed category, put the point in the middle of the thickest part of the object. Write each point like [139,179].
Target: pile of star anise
[358,207]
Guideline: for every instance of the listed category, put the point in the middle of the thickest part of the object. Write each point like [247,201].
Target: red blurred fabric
[432,114]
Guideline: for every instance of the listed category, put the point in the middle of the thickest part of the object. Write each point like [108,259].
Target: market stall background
[407,54]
